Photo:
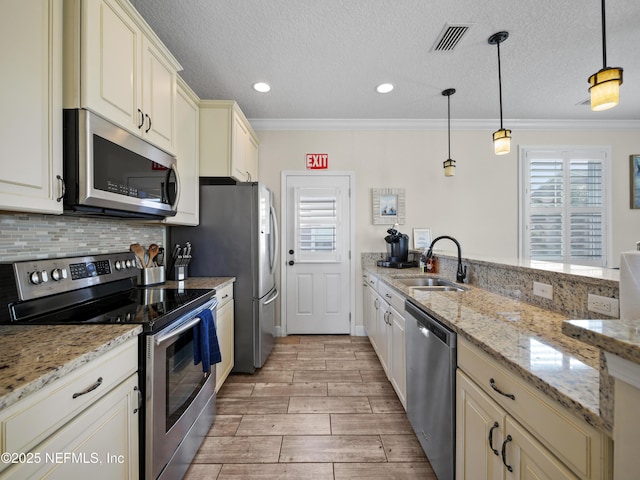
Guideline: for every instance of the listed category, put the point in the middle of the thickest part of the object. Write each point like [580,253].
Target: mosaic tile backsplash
[30,236]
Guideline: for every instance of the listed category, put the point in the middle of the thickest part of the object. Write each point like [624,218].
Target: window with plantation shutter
[564,205]
[317,224]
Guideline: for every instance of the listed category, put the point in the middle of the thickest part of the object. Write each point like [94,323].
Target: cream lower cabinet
[116,66]
[187,159]
[383,319]
[31,104]
[524,437]
[228,144]
[225,326]
[83,425]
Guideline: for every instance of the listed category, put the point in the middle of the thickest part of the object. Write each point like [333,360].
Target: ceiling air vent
[450,37]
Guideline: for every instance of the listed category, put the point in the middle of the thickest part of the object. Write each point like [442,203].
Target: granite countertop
[199,282]
[617,336]
[524,338]
[29,359]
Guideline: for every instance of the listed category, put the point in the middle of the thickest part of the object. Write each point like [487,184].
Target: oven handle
[177,331]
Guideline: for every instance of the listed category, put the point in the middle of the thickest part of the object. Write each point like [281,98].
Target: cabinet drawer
[224,294]
[391,297]
[371,280]
[31,420]
[580,446]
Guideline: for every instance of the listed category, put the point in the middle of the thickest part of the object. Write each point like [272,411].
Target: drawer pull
[226,295]
[387,295]
[504,453]
[90,389]
[492,384]
[495,425]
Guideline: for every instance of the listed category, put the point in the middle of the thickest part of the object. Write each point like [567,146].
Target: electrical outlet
[543,290]
[604,305]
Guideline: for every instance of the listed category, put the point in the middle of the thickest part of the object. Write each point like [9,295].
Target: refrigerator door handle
[274,296]
[276,243]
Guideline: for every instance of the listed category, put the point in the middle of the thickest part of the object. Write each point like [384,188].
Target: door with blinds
[317,259]
[565,205]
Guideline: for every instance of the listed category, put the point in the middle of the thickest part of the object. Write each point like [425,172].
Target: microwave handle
[178,187]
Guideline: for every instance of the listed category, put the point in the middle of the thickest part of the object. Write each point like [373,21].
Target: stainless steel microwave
[110,171]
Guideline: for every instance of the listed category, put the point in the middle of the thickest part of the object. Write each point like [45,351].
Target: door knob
[290,252]
[291,262]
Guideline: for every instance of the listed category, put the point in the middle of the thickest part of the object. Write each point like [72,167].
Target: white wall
[479,206]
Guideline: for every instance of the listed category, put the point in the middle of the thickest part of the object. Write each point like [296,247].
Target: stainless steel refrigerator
[238,237]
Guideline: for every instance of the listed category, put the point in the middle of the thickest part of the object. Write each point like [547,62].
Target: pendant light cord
[500,82]
[449,123]
[604,38]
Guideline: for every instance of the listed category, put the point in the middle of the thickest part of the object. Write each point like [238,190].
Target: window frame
[524,197]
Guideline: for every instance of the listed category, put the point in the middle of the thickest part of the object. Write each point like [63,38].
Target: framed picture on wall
[421,238]
[388,206]
[634,175]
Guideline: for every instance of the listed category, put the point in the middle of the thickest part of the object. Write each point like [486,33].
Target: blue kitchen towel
[205,342]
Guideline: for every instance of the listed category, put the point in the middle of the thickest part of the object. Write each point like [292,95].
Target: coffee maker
[397,250]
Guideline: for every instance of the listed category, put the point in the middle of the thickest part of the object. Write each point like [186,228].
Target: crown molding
[313,124]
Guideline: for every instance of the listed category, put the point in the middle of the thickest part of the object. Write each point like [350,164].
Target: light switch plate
[543,290]
[604,305]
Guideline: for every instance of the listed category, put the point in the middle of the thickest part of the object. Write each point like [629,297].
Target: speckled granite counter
[200,282]
[526,339]
[621,337]
[32,356]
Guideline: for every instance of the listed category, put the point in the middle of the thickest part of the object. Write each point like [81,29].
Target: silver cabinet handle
[492,384]
[387,295]
[137,390]
[90,389]
[62,189]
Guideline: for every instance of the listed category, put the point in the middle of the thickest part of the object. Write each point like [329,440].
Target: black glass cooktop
[153,308]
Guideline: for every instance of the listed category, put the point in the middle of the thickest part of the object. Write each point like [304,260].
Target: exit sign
[317,161]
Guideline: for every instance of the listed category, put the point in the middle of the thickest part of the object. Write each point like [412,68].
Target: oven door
[178,394]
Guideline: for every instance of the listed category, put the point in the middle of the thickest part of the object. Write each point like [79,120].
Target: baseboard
[360,331]
[277,331]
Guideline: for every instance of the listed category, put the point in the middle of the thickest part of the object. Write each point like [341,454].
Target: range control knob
[119,265]
[129,263]
[37,278]
[59,274]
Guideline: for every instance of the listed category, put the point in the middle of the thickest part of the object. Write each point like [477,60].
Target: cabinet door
[251,157]
[31,99]
[239,135]
[187,139]
[111,83]
[477,435]
[371,304]
[528,458]
[397,357]
[225,319]
[159,95]
[382,334]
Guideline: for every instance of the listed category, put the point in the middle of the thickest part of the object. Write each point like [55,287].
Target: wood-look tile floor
[320,408]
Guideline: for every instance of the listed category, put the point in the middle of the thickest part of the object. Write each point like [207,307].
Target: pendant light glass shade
[449,164]
[502,141]
[449,167]
[605,84]
[502,137]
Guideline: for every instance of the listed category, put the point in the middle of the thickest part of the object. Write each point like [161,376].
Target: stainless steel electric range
[179,398]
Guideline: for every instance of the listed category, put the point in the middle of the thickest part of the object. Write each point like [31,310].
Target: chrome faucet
[462,272]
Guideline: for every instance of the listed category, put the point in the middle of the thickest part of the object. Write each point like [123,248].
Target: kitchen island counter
[617,336]
[526,339]
[32,356]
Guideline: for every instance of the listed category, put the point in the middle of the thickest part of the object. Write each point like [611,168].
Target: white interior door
[317,260]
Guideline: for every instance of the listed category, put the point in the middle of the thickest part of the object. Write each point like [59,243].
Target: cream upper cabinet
[117,67]
[31,99]
[228,144]
[187,158]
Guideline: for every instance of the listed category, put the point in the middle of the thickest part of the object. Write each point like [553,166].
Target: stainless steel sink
[429,283]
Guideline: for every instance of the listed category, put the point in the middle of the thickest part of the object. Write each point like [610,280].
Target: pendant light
[449,164]
[605,84]
[502,137]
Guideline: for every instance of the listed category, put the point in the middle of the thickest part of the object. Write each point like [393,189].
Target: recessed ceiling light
[261,87]
[384,88]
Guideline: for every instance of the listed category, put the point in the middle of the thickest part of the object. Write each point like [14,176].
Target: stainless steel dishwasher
[431,373]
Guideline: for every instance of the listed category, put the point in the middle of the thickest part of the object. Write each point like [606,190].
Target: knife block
[179,272]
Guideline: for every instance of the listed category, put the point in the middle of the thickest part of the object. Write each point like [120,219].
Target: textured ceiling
[323,58]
